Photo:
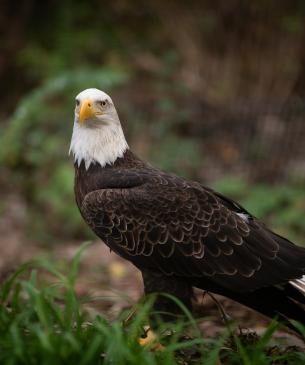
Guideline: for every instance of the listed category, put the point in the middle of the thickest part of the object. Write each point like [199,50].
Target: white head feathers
[97,132]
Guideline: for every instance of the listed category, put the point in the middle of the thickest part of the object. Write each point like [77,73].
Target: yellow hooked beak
[87,111]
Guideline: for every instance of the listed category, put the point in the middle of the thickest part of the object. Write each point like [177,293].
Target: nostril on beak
[89,105]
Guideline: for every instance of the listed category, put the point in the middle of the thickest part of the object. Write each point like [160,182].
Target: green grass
[42,321]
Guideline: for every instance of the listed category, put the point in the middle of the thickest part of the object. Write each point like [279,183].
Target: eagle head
[97,133]
[94,108]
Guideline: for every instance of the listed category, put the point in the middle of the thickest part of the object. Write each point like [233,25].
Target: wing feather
[185,229]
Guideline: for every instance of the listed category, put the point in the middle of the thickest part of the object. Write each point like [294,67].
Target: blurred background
[211,90]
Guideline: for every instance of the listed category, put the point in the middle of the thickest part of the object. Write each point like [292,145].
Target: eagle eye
[76,102]
[103,102]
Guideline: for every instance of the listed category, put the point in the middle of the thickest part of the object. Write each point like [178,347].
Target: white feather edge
[299,284]
[243,216]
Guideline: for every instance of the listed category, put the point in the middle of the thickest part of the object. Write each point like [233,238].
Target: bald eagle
[178,233]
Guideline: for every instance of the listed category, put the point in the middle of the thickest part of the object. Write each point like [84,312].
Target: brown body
[183,235]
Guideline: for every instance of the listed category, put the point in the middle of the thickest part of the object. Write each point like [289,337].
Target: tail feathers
[284,302]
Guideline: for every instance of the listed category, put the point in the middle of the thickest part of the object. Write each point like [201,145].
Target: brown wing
[182,228]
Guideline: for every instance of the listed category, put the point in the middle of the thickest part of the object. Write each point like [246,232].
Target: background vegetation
[211,90]
[207,90]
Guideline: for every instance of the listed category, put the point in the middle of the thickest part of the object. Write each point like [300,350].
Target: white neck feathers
[103,145]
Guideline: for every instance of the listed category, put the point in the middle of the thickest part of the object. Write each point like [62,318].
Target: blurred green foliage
[196,99]
[34,149]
